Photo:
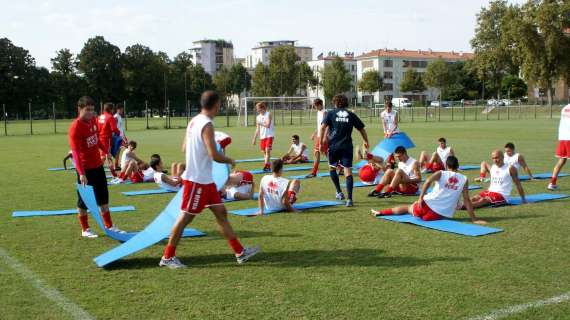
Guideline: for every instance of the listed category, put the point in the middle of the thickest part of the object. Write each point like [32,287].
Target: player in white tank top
[297,152]
[264,129]
[277,193]
[437,160]
[442,200]
[389,120]
[403,180]
[315,136]
[511,158]
[563,148]
[503,176]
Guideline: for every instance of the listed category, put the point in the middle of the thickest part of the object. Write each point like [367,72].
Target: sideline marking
[501,313]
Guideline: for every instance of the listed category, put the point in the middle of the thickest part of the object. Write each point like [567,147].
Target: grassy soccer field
[334,263]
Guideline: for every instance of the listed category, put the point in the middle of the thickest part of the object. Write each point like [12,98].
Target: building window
[388,63]
[414,64]
[388,87]
[367,64]
[388,75]
[353,68]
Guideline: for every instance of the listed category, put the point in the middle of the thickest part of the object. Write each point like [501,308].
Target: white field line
[52,294]
[501,313]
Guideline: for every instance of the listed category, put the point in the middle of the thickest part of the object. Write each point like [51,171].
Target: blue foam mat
[469,167]
[252,160]
[542,176]
[466,229]
[61,169]
[147,192]
[299,206]
[19,214]
[539,197]
[285,169]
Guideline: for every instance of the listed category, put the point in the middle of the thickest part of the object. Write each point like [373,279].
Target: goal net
[285,110]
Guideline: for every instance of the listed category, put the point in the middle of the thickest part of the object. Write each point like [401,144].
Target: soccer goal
[285,110]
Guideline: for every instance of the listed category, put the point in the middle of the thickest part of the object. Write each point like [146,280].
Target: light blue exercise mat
[540,197]
[299,206]
[445,225]
[19,214]
[285,169]
[542,176]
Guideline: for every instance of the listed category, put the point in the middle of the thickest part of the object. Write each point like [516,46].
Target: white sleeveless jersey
[443,153]
[320,116]
[120,123]
[513,160]
[126,156]
[198,161]
[564,128]
[389,119]
[158,180]
[231,191]
[297,149]
[263,131]
[444,196]
[408,167]
[501,180]
[273,190]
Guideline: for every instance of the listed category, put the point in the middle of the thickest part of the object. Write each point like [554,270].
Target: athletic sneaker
[247,253]
[115,181]
[375,212]
[385,195]
[310,175]
[374,193]
[552,187]
[87,233]
[266,169]
[349,203]
[115,229]
[172,263]
[482,179]
[340,196]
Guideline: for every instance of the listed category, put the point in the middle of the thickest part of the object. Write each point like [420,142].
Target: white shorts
[243,189]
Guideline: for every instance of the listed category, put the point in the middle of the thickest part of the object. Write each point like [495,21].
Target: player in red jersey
[107,126]
[86,149]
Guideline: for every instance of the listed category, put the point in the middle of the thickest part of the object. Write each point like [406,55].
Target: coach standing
[340,123]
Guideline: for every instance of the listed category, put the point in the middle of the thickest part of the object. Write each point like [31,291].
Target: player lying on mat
[277,193]
[438,159]
[503,176]
[371,172]
[297,152]
[173,182]
[441,202]
[404,180]
[240,186]
[511,158]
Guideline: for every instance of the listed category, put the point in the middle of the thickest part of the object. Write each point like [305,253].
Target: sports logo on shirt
[272,187]
[342,116]
[452,183]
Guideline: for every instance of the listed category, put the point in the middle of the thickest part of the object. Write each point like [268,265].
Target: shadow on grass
[215,235]
[295,259]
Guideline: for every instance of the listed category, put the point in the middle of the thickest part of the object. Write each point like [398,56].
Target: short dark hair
[209,99]
[85,101]
[132,143]
[296,137]
[452,163]
[510,145]
[442,139]
[388,103]
[340,101]
[155,157]
[318,102]
[119,106]
[400,149]
[277,165]
[108,107]
[261,105]
[154,161]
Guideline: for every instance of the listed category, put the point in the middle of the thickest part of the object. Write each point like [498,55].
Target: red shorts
[137,177]
[196,197]
[493,197]
[435,166]
[266,143]
[563,149]
[225,142]
[409,189]
[317,143]
[367,174]
[425,212]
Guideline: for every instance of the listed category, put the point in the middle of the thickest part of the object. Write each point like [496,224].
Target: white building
[318,66]
[263,50]
[393,63]
[212,54]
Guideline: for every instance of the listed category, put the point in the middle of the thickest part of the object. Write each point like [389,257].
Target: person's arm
[68,156]
[395,124]
[451,152]
[260,202]
[288,152]
[134,156]
[285,201]
[525,166]
[383,123]
[517,183]
[114,128]
[169,181]
[254,139]
[417,172]
[364,135]
[434,177]
[74,144]
[245,196]
[209,141]
[267,123]
[184,144]
[469,206]
[303,149]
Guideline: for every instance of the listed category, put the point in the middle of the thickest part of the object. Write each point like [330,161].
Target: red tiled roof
[426,54]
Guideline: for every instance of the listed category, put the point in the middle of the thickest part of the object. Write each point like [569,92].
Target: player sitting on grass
[403,180]
[264,129]
[297,152]
[441,202]
[277,193]
[173,182]
[371,172]
[239,186]
[511,158]
[503,176]
[438,158]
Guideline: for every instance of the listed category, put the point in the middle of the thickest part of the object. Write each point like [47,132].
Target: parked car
[444,104]
[401,102]
[495,102]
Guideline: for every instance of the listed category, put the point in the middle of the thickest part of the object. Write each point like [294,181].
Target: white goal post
[247,113]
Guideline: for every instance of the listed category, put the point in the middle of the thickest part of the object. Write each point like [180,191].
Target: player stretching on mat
[441,202]
[438,158]
[264,128]
[371,172]
[199,190]
[107,126]
[339,123]
[316,137]
[389,120]
[277,193]
[297,152]
[563,148]
[511,158]
[239,186]
[404,180]
[503,176]
[86,149]
[173,182]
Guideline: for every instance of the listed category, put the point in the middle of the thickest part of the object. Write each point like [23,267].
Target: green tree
[437,76]
[538,33]
[260,85]
[223,83]
[336,79]
[370,82]
[240,79]
[306,77]
[283,71]
[100,62]
[199,81]
[412,82]
[67,85]
[513,87]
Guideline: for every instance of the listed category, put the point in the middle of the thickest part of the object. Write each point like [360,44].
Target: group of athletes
[439,197]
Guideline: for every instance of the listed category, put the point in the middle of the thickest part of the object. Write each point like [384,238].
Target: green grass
[334,263]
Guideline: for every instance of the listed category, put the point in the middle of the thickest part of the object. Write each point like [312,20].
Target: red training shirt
[107,125]
[85,145]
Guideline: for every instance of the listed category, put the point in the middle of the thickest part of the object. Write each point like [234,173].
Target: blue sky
[43,27]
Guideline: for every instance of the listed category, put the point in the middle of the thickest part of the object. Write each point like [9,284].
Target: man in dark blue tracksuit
[339,123]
